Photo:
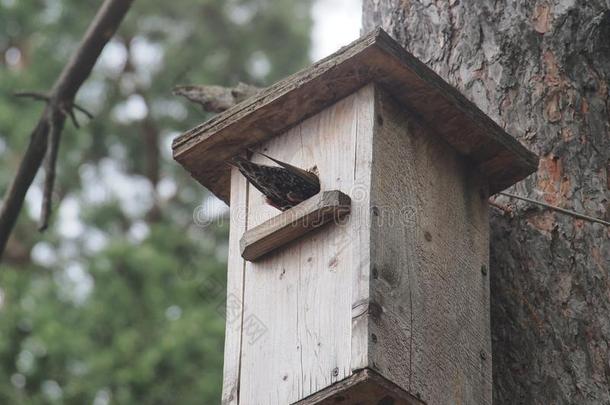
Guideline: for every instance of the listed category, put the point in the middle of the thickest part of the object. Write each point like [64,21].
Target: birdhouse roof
[377,58]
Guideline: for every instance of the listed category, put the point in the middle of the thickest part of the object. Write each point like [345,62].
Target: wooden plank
[302,293]
[392,246]
[429,239]
[365,387]
[373,58]
[235,285]
[294,223]
[364,127]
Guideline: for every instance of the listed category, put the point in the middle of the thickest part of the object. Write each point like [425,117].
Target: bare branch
[83,110]
[56,120]
[32,94]
[216,98]
[67,110]
[70,113]
[76,71]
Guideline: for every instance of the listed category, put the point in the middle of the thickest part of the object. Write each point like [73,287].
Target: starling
[283,186]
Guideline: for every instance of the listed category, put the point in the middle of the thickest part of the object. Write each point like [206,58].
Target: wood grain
[373,58]
[235,288]
[294,223]
[364,387]
[429,307]
[395,287]
[549,273]
[302,292]
[361,258]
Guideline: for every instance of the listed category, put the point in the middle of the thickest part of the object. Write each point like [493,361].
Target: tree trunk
[541,69]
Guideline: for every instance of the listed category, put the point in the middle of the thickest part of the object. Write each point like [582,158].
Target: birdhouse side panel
[429,241]
[299,296]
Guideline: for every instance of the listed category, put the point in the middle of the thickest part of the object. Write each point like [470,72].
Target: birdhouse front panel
[299,297]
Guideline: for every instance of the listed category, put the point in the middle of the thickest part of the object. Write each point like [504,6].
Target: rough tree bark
[541,69]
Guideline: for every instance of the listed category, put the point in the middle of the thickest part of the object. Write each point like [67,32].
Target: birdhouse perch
[382,300]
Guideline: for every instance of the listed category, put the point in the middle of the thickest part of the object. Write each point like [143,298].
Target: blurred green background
[121,300]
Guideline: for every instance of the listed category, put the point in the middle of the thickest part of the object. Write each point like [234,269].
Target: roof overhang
[377,58]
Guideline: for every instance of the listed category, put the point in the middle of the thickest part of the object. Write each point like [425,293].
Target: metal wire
[558,209]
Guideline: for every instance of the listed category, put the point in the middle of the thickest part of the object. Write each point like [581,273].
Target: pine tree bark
[541,69]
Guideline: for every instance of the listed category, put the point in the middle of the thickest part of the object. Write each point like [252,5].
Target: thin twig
[70,113]
[558,209]
[55,127]
[32,94]
[83,110]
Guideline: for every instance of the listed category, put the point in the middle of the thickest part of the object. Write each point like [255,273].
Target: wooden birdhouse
[375,290]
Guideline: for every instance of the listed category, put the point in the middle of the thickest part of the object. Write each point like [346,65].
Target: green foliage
[118,302]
